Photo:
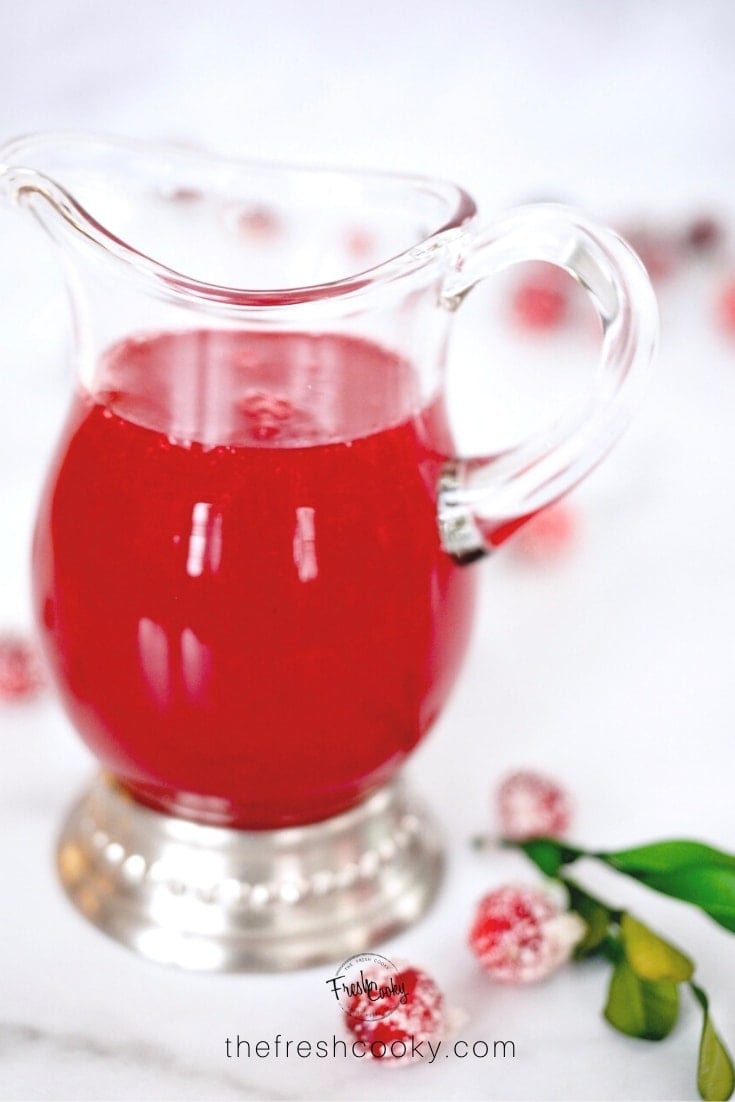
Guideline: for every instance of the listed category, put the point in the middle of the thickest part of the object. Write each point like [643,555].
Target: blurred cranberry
[703,234]
[726,305]
[412,1017]
[185,195]
[520,935]
[656,249]
[21,672]
[540,301]
[547,534]
[532,805]
[359,243]
[258,222]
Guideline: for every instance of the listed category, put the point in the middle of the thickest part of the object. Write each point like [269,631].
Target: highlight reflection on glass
[304,544]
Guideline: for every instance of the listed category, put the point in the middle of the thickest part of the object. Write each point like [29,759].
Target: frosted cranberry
[519,935]
[418,1015]
[21,672]
[531,805]
[546,534]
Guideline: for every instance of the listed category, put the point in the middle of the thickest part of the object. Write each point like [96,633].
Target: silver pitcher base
[215,899]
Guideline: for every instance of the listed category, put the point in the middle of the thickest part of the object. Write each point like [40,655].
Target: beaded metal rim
[214,899]
[135,868]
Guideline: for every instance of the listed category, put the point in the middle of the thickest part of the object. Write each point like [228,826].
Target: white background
[610,666]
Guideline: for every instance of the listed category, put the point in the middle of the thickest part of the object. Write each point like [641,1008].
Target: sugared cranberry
[519,935]
[416,1015]
[21,672]
[531,805]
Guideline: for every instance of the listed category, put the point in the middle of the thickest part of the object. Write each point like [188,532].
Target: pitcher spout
[24,172]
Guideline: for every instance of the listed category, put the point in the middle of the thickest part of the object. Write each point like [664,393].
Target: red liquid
[238,573]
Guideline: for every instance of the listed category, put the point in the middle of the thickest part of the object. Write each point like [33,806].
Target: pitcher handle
[483,500]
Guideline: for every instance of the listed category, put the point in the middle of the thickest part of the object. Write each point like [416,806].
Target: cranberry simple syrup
[238,573]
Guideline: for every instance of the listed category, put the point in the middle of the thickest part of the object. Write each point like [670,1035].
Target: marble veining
[20,1038]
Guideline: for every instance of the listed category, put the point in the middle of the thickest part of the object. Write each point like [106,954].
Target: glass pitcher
[251,565]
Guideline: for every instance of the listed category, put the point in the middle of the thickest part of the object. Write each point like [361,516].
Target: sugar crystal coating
[531,805]
[519,935]
[420,1018]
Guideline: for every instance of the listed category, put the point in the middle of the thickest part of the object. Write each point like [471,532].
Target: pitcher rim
[460,209]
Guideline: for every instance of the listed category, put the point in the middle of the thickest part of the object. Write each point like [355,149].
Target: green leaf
[641,1008]
[665,857]
[595,914]
[548,854]
[710,888]
[650,956]
[690,871]
[715,1072]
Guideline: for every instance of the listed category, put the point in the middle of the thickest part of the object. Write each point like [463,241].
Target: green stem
[572,886]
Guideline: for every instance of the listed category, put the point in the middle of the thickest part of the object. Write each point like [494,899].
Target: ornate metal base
[216,899]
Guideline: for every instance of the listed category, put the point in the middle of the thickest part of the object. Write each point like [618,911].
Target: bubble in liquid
[267,413]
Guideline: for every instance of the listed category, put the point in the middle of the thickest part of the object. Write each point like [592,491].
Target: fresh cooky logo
[368,987]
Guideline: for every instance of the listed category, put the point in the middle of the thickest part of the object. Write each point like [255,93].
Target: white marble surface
[610,666]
